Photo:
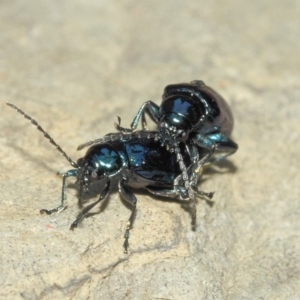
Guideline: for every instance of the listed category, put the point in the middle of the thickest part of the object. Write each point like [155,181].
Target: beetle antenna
[46,135]
[120,135]
[90,143]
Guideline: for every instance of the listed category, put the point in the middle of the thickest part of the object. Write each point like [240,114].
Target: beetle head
[100,161]
[174,128]
[87,174]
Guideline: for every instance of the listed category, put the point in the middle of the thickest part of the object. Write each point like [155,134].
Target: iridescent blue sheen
[192,113]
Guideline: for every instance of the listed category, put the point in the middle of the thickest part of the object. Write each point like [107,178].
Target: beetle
[192,113]
[133,161]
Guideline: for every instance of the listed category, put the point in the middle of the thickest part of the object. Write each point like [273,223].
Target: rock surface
[75,66]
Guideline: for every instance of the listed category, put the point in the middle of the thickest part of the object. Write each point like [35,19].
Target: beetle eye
[94,174]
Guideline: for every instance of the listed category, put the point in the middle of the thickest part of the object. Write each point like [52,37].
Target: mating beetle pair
[193,114]
[137,160]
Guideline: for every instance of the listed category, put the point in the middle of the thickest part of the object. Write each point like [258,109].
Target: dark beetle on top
[192,113]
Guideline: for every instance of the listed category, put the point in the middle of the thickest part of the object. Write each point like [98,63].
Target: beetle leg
[148,107]
[202,140]
[191,173]
[129,197]
[81,216]
[223,145]
[192,151]
[172,193]
[183,176]
[202,194]
[189,194]
[64,202]
[189,177]
[195,169]
[144,121]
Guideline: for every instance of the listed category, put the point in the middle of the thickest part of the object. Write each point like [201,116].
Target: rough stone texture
[76,65]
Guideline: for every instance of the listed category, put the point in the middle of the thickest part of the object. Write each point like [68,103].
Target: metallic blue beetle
[133,161]
[192,113]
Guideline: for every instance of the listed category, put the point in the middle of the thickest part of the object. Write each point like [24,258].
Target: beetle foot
[120,128]
[74,225]
[46,211]
[52,211]
[126,243]
[194,213]
[60,174]
[210,195]
[202,194]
